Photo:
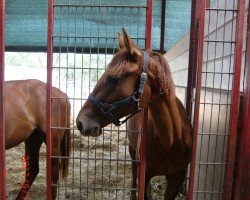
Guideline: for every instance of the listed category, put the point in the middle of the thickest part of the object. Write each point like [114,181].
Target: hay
[100,170]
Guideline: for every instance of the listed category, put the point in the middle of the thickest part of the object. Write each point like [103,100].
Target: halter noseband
[107,108]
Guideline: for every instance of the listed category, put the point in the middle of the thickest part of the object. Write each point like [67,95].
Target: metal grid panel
[99,167]
[217,106]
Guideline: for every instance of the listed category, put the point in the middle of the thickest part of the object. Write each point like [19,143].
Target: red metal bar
[142,163]
[2,134]
[163,17]
[208,4]
[149,23]
[242,183]
[193,54]
[201,6]
[228,183]
[143,155]
[49,84]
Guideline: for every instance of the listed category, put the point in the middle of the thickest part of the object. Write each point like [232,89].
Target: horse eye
[113,79]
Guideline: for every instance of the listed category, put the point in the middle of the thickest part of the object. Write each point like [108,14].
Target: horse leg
[30,161]
[174,183]
[147,188]
[135,173]
[55,176]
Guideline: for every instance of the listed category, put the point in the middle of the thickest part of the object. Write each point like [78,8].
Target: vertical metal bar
[2,133]
[49,84]
[243,168]
[235,101]
[208,3]
[163,19]
[143,155]
[242,183]
[201,6]
[193,48]
[149,16]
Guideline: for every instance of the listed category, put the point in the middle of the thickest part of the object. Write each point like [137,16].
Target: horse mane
[164,74]
[167,87]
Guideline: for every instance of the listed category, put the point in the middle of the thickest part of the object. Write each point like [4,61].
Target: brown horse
[136,79]
[25,120]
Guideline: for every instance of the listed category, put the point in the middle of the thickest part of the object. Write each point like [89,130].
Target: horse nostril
[79,125]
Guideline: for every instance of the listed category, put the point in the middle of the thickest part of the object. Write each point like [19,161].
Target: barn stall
[81,45]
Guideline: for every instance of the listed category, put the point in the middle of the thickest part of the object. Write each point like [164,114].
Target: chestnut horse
[133,80]
[25,120]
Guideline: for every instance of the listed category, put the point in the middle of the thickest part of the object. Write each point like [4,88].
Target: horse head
[131,81]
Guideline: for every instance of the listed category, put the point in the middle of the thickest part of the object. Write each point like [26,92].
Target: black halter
[107,108]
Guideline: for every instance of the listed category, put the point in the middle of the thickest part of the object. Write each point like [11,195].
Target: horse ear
[129,44]
[120,41]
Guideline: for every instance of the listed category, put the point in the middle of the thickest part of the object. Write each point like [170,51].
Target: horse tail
[65,152]
[65,149]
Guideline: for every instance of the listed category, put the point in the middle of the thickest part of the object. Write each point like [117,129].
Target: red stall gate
[215,74]
[82,39]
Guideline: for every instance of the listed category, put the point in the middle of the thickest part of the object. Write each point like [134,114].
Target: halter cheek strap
[107,108]
[144,74]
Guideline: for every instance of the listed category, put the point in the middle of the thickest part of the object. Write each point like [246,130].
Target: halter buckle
[143,80]
[144,77]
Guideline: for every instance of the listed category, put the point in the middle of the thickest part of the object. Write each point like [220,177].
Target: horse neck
[166,119]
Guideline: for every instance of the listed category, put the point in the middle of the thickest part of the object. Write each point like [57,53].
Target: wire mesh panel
[218,107]
[84,42]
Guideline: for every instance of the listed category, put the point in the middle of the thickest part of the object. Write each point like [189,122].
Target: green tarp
[91,26]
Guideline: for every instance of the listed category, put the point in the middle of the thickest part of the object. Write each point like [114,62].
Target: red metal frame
[242,183]
[149,23]
[199,6]
[233,123]
[149,16]
[142,163]
[208,4]
[49,85]
[193,52]
[2,135]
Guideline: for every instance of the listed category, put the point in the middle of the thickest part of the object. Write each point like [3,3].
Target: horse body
[137,79]
[25,120]
[162,158]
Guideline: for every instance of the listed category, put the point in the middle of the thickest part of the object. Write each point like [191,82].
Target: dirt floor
[100,169]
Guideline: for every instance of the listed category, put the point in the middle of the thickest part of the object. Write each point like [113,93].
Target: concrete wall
[215,96]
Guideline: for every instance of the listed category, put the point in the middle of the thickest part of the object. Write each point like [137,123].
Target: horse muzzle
[88,128]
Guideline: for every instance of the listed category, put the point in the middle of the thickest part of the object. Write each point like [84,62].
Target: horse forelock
[116,67]
[164,75]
